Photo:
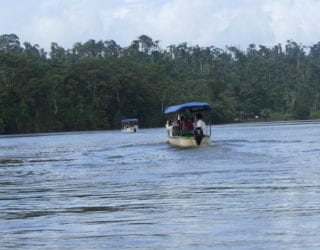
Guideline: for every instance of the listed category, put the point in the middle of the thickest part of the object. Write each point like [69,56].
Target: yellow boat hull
[182,141]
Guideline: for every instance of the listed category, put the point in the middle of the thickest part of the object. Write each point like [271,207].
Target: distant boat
[184,129]
[129,125]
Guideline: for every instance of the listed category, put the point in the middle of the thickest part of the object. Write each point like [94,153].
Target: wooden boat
[193,136]
[129,125]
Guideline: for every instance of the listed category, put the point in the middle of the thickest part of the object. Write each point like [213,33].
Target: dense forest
[97,83]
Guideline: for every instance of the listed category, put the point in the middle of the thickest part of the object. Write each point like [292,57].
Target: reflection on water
[255,187]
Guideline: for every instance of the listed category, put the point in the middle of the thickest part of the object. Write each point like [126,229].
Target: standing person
[201,124]
[169,127]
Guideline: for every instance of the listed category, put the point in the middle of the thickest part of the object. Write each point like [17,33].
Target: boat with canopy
[129,125]
[187,128]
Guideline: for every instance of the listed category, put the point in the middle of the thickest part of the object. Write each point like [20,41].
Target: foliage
[97,83]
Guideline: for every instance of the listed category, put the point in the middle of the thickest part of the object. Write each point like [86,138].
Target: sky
[217,23]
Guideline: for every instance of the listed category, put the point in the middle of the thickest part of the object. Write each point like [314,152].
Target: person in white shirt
[201,124]
[169,127]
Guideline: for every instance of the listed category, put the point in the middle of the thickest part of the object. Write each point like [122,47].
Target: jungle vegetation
[95,84]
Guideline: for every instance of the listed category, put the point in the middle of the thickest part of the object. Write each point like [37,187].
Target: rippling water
[255,187]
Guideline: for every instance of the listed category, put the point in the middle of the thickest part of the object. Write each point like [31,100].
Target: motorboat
[186,128]
[129,125]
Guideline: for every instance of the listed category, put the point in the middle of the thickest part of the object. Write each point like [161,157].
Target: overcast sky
[204,22]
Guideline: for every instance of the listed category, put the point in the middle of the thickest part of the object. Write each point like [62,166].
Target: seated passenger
[187,125]
[181,123]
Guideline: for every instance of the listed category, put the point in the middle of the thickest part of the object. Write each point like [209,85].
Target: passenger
[181,123]
[176,124]
[200,124]
[169,127]
[187,125]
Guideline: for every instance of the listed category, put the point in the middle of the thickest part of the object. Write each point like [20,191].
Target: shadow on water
[75,210]
[4,162]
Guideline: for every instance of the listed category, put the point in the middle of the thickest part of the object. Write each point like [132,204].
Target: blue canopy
[129,120]
[192,106]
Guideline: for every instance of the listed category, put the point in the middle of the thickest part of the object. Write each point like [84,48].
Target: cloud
[204,22]
[296,20]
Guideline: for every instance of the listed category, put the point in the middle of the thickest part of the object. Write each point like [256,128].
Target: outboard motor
[198,134]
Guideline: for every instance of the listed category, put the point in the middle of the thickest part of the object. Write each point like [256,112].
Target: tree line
[95,84]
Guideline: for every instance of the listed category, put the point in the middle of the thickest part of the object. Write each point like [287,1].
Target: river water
[255,187]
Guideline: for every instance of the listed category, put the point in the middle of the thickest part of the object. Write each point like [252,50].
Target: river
[255,187]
